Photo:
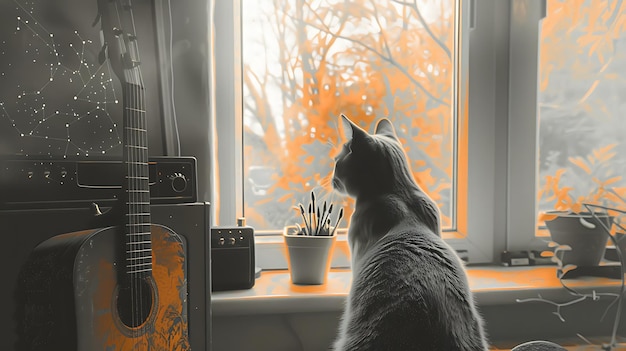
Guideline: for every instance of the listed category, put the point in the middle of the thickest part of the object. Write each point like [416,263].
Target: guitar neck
[138,244]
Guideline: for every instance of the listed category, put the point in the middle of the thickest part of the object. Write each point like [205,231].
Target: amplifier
[32,184]
[232,258]
[25,229]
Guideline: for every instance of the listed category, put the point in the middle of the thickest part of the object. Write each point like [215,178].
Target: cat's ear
[385,127]
[350,130]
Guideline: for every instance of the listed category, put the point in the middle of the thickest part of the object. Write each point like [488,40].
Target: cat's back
[413,292]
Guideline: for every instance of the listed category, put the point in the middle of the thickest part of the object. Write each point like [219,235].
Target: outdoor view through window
[305,62]
[582,104]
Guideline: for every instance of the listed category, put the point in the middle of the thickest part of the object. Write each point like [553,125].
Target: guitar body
[74,300]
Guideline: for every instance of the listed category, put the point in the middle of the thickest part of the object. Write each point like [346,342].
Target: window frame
[480,229]
[525,26]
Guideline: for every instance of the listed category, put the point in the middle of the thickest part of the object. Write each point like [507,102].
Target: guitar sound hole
[135,303]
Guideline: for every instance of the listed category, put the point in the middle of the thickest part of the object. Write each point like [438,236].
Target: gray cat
[409,289]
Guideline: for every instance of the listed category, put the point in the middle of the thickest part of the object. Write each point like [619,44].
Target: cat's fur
[409,288]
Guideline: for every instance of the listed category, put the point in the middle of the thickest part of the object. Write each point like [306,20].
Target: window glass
[582,109]
[305,62]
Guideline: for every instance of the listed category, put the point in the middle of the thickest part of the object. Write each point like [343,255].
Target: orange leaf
[580,162]
[611,181]
[285,197]
[598,153]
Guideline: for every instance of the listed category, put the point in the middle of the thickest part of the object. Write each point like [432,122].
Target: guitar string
[136,167]
[144,165]
[132,205]
[135,227]
[139,197]
[136,295]
[131,196]
[136,194]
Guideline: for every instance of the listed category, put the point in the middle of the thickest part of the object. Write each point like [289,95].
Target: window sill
[492,285]
[271,252]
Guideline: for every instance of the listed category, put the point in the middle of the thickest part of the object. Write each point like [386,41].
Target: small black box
[232,258]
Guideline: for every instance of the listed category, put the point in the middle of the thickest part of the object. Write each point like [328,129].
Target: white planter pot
[308,257]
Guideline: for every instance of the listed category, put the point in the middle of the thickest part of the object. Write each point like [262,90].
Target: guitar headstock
[117,31]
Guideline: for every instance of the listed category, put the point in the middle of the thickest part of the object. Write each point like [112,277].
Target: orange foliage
[580,68]
[596,167]
[366,60]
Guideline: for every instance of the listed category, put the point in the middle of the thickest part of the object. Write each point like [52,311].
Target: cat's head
[371,164]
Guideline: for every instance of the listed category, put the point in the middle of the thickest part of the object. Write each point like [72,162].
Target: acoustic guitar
[116,288]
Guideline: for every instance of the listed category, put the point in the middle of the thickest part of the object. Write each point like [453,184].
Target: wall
[506,325]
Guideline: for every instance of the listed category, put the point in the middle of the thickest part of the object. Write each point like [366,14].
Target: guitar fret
[135,109]
[140,271]
[136,224]
[138,163]
[139,264]
[136,251]
[137,147]
[139,233]
[149,257]
[139,243]
[141,198]
[136,177]
[136,129]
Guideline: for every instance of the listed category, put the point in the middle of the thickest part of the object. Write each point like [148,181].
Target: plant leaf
[580,162]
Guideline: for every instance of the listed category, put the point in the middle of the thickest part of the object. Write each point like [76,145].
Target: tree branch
[385,58]
[414,7]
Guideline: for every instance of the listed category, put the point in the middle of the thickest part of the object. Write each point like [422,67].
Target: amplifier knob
[178,182]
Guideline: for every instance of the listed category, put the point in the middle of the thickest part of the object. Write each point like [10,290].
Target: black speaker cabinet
[22,230]
[232,258]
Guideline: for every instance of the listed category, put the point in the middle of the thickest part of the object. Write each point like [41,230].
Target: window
[305,62]
[582,80]
[567,112]
[367,60]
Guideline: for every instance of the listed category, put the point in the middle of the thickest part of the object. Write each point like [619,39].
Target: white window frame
[485,28]
[526,16]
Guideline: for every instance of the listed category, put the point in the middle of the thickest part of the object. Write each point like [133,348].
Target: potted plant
[586,215]
[310,246]
[583,212]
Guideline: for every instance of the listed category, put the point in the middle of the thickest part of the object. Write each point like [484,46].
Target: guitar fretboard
[137,192]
